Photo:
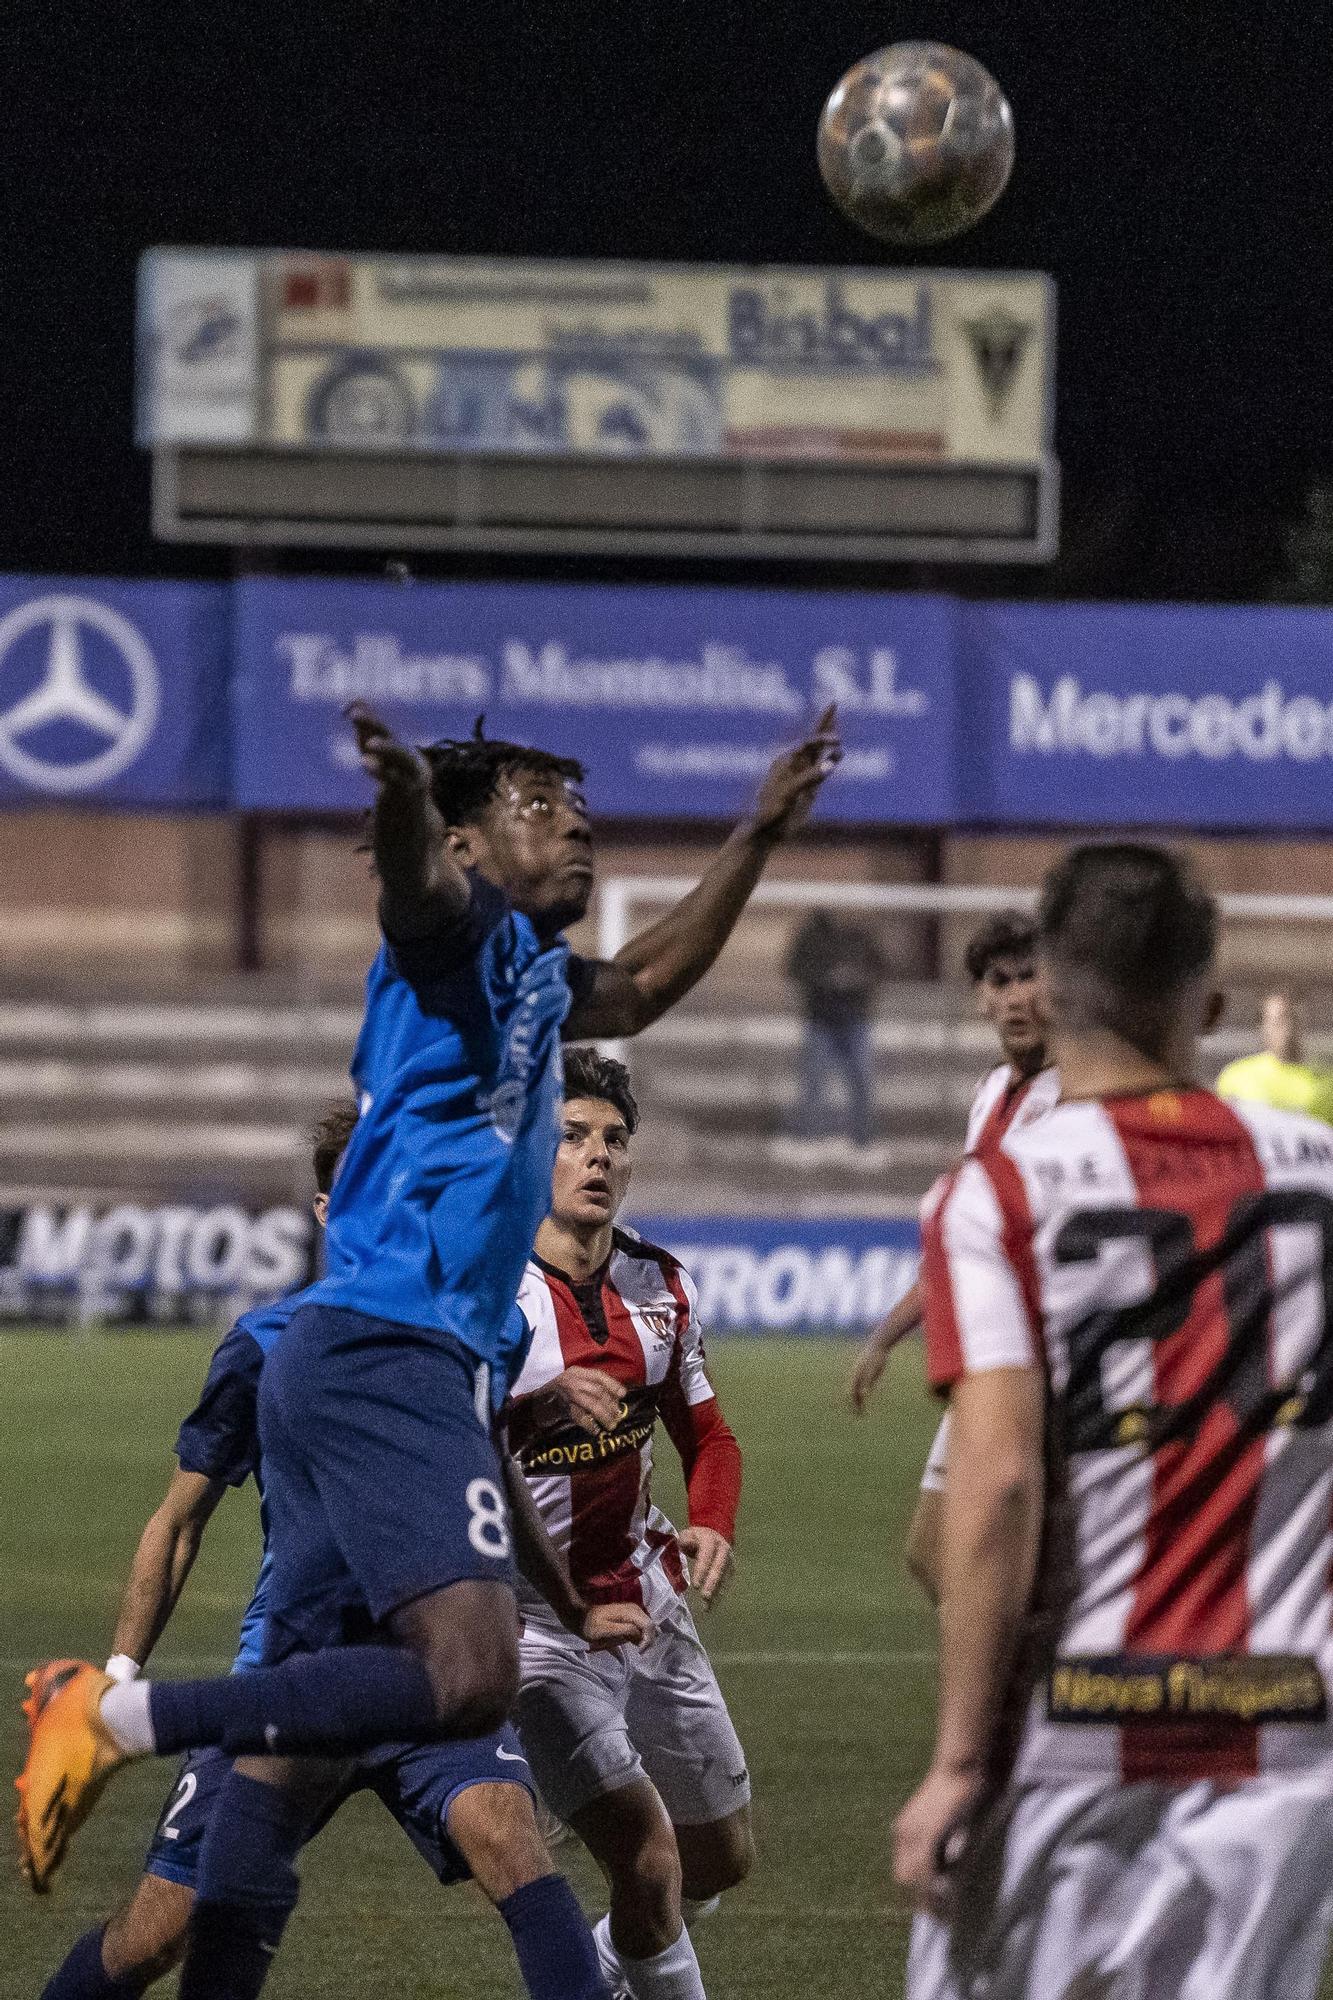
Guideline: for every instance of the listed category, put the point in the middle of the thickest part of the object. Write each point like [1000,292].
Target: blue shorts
[417,1783]
[381,1479]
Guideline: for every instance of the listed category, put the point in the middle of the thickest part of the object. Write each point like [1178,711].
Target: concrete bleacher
[212,1095]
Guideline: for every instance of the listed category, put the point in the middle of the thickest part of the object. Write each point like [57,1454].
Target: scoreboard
[490,403]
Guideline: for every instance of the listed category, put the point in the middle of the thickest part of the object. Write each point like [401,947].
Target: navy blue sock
[555,1948]
[348,1698]
[83,1976]
[246,1890]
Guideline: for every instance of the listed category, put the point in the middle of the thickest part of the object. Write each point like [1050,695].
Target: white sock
[672,1974]
[124,1710]
[698,1909]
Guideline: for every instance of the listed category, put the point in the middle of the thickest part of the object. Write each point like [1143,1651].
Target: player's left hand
[711,1561]
[794,779]
[930,1833]
[606,1626]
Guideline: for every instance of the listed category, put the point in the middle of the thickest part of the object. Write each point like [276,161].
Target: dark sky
[1173,172]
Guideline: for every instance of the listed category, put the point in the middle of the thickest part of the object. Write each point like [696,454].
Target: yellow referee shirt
[1263,1079]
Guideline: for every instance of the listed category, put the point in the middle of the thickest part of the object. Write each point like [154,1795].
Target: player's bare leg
[466,1637]
[922,1550]
[715,1856]
[494,1828]
[644,1944]
[145,1940]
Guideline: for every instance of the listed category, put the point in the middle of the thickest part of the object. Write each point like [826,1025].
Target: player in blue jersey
[384,1483]
[467,1806]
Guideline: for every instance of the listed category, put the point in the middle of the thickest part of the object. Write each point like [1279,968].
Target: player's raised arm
[421,885]
[162,1562]
[657,968]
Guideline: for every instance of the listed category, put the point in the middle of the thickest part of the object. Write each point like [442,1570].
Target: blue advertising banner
[676,699]
[1115,715]
[768,1274]
[113,693]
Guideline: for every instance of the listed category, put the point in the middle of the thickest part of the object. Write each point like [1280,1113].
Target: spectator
[837,967]
[1279,1075]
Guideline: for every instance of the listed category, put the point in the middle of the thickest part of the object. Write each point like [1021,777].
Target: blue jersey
[220,1437]
[447,1174]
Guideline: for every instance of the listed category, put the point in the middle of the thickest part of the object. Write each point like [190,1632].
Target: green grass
[823,1648]
[833,1739]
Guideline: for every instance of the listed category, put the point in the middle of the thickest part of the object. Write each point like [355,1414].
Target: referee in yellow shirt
[1278,1076]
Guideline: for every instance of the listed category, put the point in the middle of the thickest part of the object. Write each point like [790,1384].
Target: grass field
[823,1648]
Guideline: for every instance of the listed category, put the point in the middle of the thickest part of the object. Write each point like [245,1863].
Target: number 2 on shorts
[185,1791]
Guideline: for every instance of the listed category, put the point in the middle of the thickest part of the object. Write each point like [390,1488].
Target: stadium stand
[213,1093]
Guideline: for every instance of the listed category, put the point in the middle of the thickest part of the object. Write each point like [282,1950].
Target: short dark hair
[588,1074]
[1008,934]
[329,1140]
[465,771]
[1125,927]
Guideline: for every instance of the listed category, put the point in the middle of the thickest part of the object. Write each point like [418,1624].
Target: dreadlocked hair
[466,771]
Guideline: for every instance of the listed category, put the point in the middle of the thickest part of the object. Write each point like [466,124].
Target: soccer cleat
[71,1754]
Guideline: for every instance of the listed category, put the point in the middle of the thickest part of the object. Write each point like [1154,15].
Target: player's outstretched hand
[930,1834]
[606,1626]
[591,1397]
[870,1365]
[388,761]
[794,778]
[712,1563]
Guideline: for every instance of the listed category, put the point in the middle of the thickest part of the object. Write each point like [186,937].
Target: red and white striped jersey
[637,1319]
[1167,1261]
[1003,1099]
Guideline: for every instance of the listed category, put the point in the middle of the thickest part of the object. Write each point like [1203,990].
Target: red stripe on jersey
[1191,1154]
[605,1503]
[601,1535]
[944,1343]
[1016,1241]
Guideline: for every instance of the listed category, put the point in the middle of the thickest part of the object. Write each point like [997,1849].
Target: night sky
[1173,173]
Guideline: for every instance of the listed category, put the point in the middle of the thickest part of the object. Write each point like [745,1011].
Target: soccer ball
[916,143]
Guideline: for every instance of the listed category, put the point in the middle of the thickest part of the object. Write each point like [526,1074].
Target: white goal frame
[619,895]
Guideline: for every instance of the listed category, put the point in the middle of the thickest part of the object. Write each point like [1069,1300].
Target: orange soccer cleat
[71,1754]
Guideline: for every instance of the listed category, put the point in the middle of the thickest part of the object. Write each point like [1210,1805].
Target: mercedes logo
[64,693]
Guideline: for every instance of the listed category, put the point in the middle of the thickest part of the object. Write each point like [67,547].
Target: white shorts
[932,1479]
[592,1722]
[1139,1892]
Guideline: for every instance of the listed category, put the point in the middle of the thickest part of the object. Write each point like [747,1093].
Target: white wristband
[122,1668]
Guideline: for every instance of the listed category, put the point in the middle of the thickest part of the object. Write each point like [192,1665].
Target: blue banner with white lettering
[768,1274]
[676,699]
[162,695]
[1149,715]
[112,693]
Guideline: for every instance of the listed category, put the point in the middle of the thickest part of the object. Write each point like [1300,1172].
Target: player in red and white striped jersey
[1001,963]
[636,1751]
[1127,1302]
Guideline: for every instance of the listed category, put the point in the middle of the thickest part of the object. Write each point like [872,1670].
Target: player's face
[592,1165]
[534,841]
[1008,999]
